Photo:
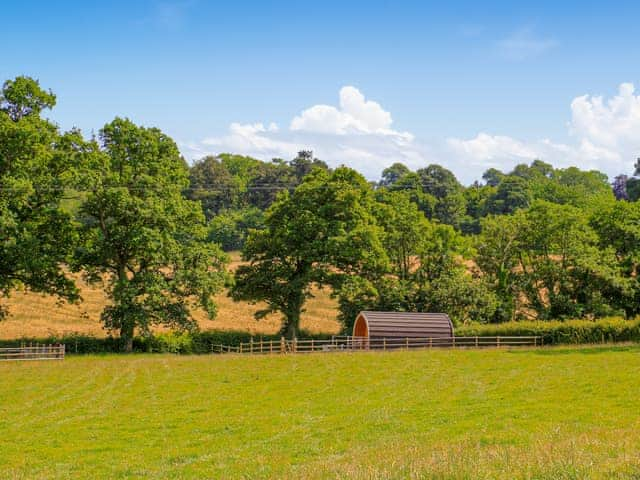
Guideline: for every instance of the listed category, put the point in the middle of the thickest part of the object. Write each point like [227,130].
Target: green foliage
[23,97]
[512,193]
[230,228]
[609,330]
[212,184]
[392,174]
[549,260]
[37,165]
[320,234]
[633,189]
[197,342]
[426,271]
[143,238]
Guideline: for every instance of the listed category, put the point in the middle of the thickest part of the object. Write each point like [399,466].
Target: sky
[468,84]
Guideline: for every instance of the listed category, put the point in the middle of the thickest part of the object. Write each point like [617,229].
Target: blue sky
[467,84]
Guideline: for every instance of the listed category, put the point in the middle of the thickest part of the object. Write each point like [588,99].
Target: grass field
[546,414]
[37,316]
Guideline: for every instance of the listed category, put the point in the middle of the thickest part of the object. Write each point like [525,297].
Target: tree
[23,97]
[230,228]
[633,189]
[37,165]
[618,227]
[304,163]
[438,181]
[512,194]
[451,209]
[404,228]
[498,251]
[269,180]
[493,177]
[619,187]
[211,183]
[322,233]
[392,174]
[427,272]
[141,236]
[411,184]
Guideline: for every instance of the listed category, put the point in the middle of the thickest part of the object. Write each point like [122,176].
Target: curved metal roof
[407,324]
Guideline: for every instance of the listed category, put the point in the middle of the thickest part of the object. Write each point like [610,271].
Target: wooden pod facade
[402,325]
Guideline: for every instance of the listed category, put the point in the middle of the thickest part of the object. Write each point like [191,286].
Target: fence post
[312,342]
[251,345]
[384,343]
[454,342]
[282,345]
[476,341]
[498,342]
[295,344]
[407,342]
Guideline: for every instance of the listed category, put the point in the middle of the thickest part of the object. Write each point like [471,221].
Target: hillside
[33,315]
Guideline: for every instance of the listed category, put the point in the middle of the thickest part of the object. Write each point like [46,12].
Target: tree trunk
[291,329]
[126,335]
[126,328]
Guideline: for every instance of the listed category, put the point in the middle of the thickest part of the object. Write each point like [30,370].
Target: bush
[614,329]
[179,343]
[608,330]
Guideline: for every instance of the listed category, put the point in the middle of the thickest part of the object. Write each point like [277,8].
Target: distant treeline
[126,210]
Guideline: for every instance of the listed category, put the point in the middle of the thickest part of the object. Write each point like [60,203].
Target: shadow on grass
[585,350]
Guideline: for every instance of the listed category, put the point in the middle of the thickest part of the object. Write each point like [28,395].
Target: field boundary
[348,343]
[33,352]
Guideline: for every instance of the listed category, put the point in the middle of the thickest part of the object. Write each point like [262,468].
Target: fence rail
[343,343]
[33,352]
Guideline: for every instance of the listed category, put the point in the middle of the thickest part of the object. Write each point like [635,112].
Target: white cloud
[354,115]
[605,135]
[614,124]
[491,150]
[524,43]
[358,133]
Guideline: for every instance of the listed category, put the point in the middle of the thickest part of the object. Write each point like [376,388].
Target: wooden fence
[33,352]
[338,344]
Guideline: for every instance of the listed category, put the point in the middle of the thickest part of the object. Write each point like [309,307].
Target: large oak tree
[143,237]
[320,234]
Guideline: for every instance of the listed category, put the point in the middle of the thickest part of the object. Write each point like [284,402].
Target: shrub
[614,329]
[179,343]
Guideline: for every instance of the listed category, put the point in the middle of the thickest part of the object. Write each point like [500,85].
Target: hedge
[607,330]
[197,342]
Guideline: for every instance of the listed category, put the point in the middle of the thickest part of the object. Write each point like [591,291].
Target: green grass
[556,413]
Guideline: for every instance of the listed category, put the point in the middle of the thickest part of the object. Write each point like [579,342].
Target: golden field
[34,316]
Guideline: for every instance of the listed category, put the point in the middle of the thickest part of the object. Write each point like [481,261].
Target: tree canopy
[143,238]
[37,165]
[319,234]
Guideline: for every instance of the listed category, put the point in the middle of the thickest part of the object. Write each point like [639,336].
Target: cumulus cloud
[357,132]
[605,135]
[354,115]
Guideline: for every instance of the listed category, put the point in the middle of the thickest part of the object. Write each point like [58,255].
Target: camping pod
[377,325]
